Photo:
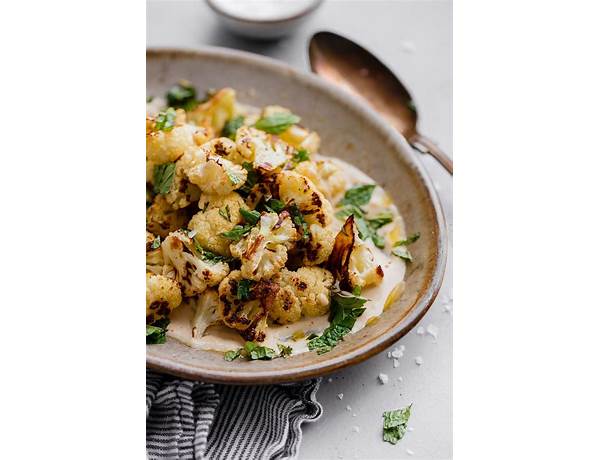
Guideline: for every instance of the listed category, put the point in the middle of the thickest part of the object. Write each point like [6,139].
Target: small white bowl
[263,19]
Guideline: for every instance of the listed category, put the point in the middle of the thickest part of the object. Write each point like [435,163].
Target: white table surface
[415,39]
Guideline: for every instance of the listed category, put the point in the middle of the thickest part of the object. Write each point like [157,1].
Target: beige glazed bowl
[348,130]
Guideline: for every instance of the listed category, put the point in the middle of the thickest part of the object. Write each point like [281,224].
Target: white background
[415,39]
[526,193]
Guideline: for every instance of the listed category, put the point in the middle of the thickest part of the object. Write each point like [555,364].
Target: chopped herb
[395,423]
[205,207]
[231,127]
[233,178]
[254,352]
[356,290]
[225,214]
[300,156]
[191,233]
[163,177]
[277,122]
[284,350]
[209,256]
[346,211]
[232,354]
[299,221]
[182,95]
[251,178]
[345,308]
[378,240]
[252,217]
[165,121]
[156,243]
[400,249]
[243,289]
[274,205]
[358,196]
[156,332]
[237,232]
[380,220]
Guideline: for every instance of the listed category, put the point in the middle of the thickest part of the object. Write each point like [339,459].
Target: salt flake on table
[383,378]
[340,396]
[432,331]
[420,330]
[348,408]
[355,429]
[397,352]
[410,452]
[396,363]
[329,380]
[399,379]
[419,360]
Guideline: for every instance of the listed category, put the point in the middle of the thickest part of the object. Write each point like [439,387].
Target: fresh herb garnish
[380,220]
[182,95]
[274,205]
[395,423]
[231,126]
[345,308]
[156,332]
[300,156]
[299,221]
[251,178]
[209,256]
[400,249]
[156,243]
[252,217]
[165,121]
[233,178]
[225,214]
[163,177]
[346,211]
[277,122]
[251,351]
[237,232]
[358,196]
[284,350]
[243,289]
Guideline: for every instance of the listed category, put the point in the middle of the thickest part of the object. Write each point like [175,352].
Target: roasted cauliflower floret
[244,304]
[312,287]
[194,273]
[286,307]
[325,175]
[362,269]
[182,192]
[218,214]
[163,295]
[263,251]
[265,151]
[168,146]
[162,219]
[319,245]
[206,311]
[218,175]
[214,113]
[294,187]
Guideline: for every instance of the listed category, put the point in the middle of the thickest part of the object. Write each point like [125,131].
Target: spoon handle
[425,145]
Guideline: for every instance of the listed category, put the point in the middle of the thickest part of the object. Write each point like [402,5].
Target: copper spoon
[352,67]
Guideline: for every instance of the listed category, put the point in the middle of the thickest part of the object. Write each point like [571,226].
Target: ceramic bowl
[273,28]
[349,130]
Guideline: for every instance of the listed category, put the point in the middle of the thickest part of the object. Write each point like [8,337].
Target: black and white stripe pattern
[194,420]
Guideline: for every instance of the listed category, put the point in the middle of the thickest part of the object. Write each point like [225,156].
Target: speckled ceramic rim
[217,9]
[398,143]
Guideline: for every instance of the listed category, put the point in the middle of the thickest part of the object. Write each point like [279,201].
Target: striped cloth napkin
[195,421]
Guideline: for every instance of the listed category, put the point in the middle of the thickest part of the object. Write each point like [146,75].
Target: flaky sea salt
[340,396]
[420,330]
[432,331]
[418,360]
[383,378]
[355,429]
[329,380]
[396,363]
[397,353]
[348,408]
[410,452]
[400,379]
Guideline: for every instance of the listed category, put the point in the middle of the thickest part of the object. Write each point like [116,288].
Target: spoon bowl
[349,65]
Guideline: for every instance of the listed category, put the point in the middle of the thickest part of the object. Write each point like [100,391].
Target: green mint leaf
[300,156]
[231,127]
[395,423]
[237,232]
[182,95]
[358,196]
[403,253]
[251,217]
[274,205]
[378,240]
[346,211]
[277,122]
[345,309]
[254,352]
[299,221]
[225,214]
[163,177]
[243,289]
[232,354]
[209,256]
[284,350]
[411,239]
[380,220]
[156,243]
[156,332]
[165,121]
